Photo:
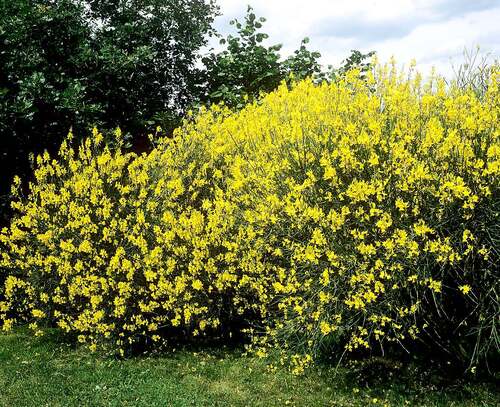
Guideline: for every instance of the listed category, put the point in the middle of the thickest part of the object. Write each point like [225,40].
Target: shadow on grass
[414,379]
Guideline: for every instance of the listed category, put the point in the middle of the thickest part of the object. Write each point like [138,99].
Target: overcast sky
[434,32]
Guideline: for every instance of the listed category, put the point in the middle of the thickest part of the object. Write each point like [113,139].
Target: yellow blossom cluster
[323,215]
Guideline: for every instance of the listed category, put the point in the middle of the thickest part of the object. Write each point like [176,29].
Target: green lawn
[47,372]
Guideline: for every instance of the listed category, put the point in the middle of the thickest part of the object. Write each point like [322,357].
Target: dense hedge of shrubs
[347,216]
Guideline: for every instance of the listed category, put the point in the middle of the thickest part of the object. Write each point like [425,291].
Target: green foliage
[304,63]
[357,60]
[79,63]
[247,67]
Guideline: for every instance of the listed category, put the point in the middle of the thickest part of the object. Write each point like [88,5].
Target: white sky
[434,32]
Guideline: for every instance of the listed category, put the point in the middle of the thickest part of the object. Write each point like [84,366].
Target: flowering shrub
[346,216]
[115,247]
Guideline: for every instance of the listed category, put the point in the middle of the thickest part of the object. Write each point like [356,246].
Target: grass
[48,372]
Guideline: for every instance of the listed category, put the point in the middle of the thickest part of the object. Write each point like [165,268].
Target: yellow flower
[435,285]
[325,327]
[197,285]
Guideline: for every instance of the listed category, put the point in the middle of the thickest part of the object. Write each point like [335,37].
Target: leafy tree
[357,60]
[304,63]
[147,53]
[79,63]
[247,67]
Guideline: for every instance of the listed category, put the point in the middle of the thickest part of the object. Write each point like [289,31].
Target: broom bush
[343,217]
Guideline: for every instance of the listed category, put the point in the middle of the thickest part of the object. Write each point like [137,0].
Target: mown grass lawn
[47,372]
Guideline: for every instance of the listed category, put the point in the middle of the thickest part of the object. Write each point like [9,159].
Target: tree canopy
[80,63]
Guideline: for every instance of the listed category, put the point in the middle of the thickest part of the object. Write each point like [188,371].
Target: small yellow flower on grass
[465,289]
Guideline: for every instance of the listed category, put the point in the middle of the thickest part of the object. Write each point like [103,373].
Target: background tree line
[129,63]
